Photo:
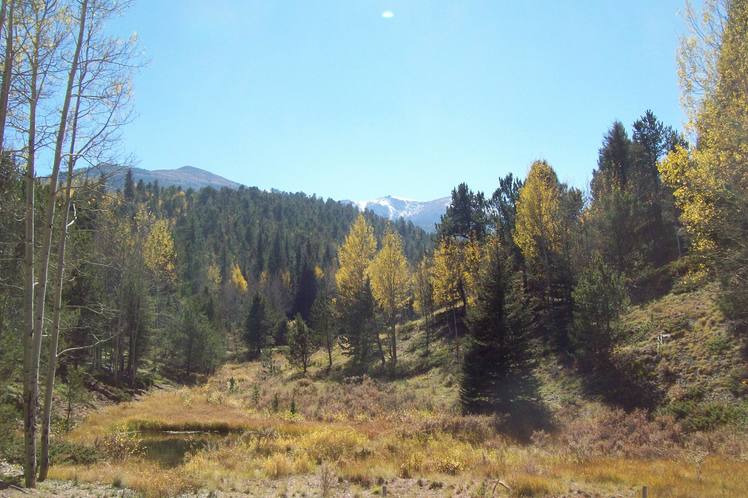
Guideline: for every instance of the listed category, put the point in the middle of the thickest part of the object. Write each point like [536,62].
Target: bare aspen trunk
[29,381]
[457,338]
[54,337]
[6,11]
[39,295]
[393,345]
[46,228]
[379,346]
[31,343]
[57,311]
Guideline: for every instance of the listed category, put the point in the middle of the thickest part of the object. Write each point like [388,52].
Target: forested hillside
[143,260]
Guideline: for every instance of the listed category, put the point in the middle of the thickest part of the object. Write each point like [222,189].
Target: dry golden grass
[367,432]
[147,478]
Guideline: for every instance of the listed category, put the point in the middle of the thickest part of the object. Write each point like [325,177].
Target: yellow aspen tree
[710,181]
[390,281]
[238,280]
[353,302]
[448,279]
[354,257]
[213,277]
[472,256]
[538,229]
[159,254]
[423,297]
[448,273]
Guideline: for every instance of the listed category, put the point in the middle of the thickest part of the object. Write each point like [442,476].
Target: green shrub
[11,443]
[703,416]
[71,453]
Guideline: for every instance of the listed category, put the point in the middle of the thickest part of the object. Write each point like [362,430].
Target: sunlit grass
[368,432]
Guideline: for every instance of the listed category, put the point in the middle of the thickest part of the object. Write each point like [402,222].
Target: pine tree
[129,189]
[504,206]
[465,216]
[599,297]
[196,345]
[323,324]
[257,328]
[496,328]
[302,343]
[306,292]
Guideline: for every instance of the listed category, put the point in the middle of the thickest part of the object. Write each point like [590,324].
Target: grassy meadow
[273,432]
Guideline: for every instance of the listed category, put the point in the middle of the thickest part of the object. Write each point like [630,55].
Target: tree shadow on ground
[629,386]
[521,408]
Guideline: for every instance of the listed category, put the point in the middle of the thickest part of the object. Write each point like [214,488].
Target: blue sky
[330,97]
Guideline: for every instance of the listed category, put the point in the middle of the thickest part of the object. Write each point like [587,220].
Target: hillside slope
[681,351]
[186,177]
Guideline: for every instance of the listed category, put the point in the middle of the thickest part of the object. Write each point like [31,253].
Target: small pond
[169,449]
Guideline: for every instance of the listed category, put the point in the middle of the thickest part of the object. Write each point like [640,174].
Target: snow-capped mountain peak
[423,214]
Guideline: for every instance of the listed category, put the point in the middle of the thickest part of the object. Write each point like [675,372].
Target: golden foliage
[159,254]
[710,182]
[447,272]
[319,273]
[238,280]
[390,276]
[213,274]
[354,257]
[455,270]
[423,290]
[538,226]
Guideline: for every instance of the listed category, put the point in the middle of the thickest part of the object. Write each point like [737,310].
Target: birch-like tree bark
[100,97]
[7,12]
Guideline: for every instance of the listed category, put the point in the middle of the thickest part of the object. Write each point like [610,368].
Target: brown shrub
[472,428]
[614,432]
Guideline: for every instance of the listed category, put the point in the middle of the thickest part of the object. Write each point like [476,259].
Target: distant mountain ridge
[422,214]
[185,177]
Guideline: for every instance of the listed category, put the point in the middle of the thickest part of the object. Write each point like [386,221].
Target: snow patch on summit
[422,214]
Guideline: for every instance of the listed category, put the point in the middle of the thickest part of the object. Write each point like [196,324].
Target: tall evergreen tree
[323,324]
[306,292]
[258,327]
[129,188]
[465,216]
[302,343]
[496,327]
[599,298]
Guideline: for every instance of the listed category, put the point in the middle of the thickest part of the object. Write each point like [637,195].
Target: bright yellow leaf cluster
[389,274]
[238,280]
[538,225]
[354,257]
[710,182]
[159,254]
